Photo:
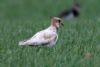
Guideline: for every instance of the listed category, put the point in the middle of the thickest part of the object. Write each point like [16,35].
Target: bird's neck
[53,28]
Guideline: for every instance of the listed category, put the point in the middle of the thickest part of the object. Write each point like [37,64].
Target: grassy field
[79,39]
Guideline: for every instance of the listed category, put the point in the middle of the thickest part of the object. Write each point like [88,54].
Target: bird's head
[56,22]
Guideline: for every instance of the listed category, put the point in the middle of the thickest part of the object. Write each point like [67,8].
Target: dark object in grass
[71,13]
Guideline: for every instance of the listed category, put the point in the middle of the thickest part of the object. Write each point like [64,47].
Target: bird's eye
[59,21]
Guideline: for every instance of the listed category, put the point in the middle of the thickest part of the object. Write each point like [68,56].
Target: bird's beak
[60,21]
[62,24]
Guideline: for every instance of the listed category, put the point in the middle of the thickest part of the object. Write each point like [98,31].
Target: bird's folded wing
[48,38]
[45,39]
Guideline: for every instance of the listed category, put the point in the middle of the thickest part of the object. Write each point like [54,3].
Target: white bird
[47,37]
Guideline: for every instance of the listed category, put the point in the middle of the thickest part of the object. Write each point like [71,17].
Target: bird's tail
[24,42]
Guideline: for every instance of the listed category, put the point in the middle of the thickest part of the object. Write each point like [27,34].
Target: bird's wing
[40,38]
[44,38]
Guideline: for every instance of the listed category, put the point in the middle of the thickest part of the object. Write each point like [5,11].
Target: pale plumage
[47,37]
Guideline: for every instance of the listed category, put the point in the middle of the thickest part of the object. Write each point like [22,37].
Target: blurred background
[79,39]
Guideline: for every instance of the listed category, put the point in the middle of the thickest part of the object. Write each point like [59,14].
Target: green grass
[79,39]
